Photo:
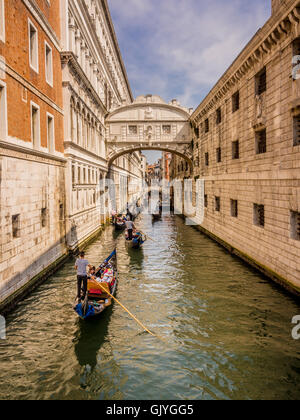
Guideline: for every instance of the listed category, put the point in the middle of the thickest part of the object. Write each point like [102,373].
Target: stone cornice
[276,29]
[92,33]
[149,105]
[68,58]
[73,146]
[41,19]
[19,152]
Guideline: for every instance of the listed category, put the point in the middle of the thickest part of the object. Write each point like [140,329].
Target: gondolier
[81,266]
[130,227]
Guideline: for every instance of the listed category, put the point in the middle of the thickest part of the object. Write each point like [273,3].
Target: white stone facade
[94,83]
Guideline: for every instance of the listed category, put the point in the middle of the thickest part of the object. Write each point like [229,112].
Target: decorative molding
[23,153]
[68,58]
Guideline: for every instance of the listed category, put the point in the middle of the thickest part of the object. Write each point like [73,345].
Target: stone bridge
[149,123]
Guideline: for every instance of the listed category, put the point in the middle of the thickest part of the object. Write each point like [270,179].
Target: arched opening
[149,148]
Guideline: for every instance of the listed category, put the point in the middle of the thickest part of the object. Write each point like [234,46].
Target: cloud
[180,48]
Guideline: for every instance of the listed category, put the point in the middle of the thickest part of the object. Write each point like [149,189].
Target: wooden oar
[125,309]
[147,236]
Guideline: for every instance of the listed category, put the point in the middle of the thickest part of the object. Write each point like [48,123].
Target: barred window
[234,208]
[205,201]
[206,125]
[219,155]
[166,129]
[296,122]
[44,215]
[296,47]
[206,159]
[261,142]
[236,102]
[235,149]
[132,130]
[261,82]
[16,226]
[295,225]
[218,204]
[219,116]
[259,215]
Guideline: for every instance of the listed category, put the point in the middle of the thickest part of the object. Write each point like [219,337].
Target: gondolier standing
[81,266]
[129,226]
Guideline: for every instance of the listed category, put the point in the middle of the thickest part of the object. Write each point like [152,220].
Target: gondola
[156,217]
[96,300]
[119,226]
[137,242]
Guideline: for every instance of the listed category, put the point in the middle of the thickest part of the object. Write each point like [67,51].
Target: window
[3,112]
[261,82]
[2,21]
[50,133]
[295,225]
[259,215]
[296,135]
[236,102]
[16,226]
[234,208]
[219,155]
[44,216]
[206,124]
[235,149]
[206,159]
[49,64]
[33,47]
[218,204]
[166,129]
[132,130]
[219,116]
[261,142]
[197,132]
[61,212]
[206,201]
[296,47]
[35,125]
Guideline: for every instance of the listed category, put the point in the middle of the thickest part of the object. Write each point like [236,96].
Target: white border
[51,148]
[5,128]
[2,33]
[50,82]
[35,146]
[36,69]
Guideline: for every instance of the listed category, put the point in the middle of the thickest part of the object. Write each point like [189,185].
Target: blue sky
[180,48]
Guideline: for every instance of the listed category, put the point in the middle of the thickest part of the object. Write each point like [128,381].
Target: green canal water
[226,329]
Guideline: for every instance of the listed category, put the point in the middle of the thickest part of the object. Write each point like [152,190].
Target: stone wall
[247,149]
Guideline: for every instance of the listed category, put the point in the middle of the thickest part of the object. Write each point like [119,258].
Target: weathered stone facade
[246,147]
[32,188]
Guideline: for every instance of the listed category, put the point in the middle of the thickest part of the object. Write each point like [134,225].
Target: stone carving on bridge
[169,130]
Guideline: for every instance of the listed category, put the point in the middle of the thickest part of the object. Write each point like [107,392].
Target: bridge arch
[123,152]
[149,123]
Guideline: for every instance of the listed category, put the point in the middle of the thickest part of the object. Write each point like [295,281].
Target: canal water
[226,330]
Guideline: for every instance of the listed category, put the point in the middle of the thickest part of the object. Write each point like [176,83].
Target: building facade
[94,84]
[246,147]
[61,74]
[32,185]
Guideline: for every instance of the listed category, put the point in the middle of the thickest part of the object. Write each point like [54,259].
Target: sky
[180,48]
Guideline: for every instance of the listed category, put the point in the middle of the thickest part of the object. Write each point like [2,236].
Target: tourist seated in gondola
[92,273]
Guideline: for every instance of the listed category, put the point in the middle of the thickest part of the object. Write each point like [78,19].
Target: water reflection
[228,329]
